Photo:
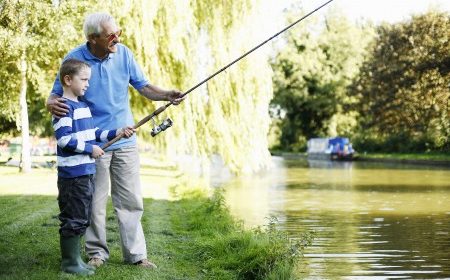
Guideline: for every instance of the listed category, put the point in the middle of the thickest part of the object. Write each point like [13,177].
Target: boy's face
[79,83]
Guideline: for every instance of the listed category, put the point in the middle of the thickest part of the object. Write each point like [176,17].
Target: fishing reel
[159,128]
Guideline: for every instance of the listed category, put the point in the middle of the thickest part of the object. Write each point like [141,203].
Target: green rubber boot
[80,260]
[71,260]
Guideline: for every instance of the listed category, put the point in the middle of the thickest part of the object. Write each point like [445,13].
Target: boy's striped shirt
[75,134]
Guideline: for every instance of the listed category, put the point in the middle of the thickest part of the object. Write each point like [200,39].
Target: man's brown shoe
[96,262]
[146,264]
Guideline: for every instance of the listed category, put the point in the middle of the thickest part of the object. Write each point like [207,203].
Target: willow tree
[179,43]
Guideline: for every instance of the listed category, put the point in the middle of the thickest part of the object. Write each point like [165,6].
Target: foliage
[403,89]
[177,44]
[311,77]
[44,32]
[10,48]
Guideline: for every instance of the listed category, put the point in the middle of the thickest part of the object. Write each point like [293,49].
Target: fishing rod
[168,122]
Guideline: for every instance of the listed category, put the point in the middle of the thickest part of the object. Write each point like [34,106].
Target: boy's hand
[127,131]
[97,152]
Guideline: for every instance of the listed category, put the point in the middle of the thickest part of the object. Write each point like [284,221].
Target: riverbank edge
[192,238]
[406,161]
[393,158]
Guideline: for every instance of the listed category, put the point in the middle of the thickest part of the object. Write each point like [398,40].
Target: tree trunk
[25,158]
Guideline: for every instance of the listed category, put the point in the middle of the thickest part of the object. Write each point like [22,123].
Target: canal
[371,221]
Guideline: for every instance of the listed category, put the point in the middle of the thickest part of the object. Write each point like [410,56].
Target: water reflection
[373,221]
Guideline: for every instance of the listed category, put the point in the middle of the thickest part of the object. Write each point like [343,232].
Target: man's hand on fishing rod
[158,94]
[174,96]
[127,131]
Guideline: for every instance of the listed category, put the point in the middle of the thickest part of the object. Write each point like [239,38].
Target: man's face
[108,39]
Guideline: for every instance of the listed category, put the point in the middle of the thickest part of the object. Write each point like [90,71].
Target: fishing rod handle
[140,123]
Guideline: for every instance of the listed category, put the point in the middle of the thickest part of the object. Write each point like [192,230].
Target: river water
[371,221]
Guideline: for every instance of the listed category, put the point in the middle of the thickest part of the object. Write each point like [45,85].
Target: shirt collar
[89,56]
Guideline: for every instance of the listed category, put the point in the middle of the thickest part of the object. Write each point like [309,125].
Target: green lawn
[194,237]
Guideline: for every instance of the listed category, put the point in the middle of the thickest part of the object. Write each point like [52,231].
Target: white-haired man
[113,70]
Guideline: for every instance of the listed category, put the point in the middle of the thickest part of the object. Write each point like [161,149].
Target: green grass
[193,237]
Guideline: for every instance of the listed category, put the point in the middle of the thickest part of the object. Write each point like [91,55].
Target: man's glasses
[113,35]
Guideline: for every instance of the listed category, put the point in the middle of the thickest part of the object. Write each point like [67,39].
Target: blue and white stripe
[62,122]
[75,134]
[74,160]
[82,113]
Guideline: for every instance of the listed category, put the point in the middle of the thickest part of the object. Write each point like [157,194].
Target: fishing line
[161,109]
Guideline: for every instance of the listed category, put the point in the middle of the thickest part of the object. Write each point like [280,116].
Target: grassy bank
[441,158]
[432,159]
[411,156]
[194,237]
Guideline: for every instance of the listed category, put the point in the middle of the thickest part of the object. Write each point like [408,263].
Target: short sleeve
[137,77]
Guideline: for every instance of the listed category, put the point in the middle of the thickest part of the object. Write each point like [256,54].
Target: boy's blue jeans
[75,204]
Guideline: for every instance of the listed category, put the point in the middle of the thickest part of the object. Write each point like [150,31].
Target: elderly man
[113,70]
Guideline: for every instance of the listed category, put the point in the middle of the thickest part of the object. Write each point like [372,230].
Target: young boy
[76,150]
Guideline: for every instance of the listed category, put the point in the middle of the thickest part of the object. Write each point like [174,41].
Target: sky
[377,10]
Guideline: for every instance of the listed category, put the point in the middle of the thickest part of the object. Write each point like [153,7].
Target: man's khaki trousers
[121,166]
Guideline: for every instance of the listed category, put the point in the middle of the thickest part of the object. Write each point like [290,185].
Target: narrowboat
[336,148]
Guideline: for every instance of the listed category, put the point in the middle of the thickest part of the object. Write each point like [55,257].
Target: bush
[397,143]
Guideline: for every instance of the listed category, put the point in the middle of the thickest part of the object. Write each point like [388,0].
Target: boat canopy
[329,145]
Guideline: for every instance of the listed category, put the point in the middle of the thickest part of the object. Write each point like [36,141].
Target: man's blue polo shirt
[107,95]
